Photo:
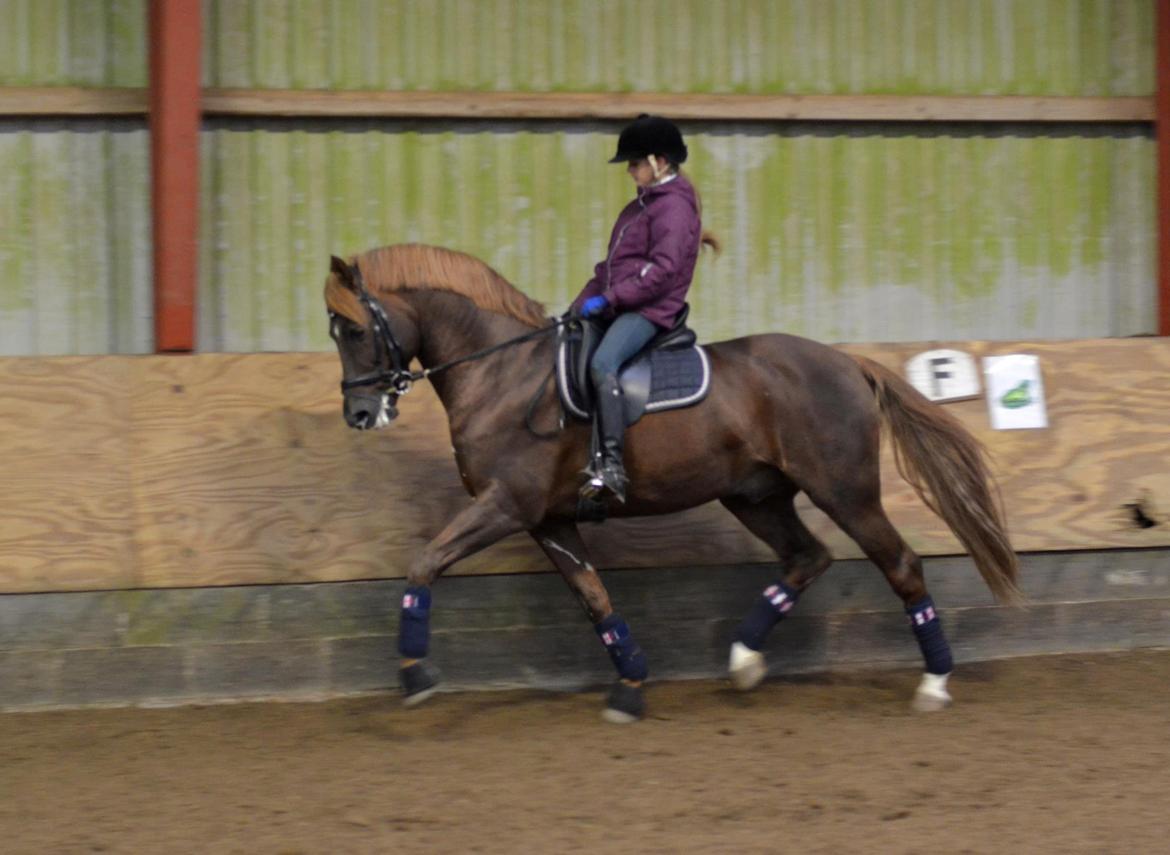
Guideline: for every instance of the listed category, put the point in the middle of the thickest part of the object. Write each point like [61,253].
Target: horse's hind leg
[563,545]
[802,559]
[859,513]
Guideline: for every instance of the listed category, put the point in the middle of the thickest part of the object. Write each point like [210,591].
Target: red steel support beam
[1162,132]
[174,163]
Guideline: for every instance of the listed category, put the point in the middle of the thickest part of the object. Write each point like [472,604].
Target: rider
[641,286]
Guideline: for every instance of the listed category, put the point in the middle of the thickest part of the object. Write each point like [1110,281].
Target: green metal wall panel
[961,47]
[1041,47]
[74,238]
[875,235]
[73,42]
[866,233]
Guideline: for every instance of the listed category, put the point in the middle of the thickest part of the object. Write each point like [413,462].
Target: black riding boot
[611,423]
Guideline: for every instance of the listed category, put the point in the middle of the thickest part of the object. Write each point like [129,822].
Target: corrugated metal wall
[868,236]
[988,47]
[74,238]
[969,47]
[72,42]
[75,194]
[837,232]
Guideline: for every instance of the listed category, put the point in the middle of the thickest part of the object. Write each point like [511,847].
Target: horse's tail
[947,467]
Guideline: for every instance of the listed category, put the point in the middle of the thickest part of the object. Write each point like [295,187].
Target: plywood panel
[236,469]
[65,521]
[1107,444]
[246,472]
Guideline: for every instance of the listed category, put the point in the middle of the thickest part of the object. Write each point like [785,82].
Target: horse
[783,415]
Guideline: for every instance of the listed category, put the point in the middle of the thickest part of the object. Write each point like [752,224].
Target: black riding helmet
[648,135]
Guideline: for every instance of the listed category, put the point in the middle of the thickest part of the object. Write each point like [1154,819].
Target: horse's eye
[355,333]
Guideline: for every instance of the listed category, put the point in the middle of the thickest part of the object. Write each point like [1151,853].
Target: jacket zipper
[616,243]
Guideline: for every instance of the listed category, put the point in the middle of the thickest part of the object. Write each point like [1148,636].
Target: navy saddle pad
[659,379]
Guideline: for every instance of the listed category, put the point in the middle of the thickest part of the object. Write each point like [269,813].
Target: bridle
[398,376]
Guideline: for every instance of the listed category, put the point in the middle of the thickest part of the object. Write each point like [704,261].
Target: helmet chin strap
[654,167]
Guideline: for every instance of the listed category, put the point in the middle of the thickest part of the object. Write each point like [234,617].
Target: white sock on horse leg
[932,693]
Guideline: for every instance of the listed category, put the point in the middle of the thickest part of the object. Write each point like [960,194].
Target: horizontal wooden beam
[72,101]
[588,105]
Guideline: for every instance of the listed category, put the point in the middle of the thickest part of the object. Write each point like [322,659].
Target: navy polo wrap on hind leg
[928,630]
[766,612]
[414,629]
[627,656]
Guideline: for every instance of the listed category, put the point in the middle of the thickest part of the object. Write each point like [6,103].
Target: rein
[400,377]
[479,354]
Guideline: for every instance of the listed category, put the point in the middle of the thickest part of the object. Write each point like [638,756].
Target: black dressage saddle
[672,371]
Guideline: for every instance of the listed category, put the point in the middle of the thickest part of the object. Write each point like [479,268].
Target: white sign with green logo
[1015,391]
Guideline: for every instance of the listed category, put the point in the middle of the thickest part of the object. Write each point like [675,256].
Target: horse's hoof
[747,667]
[932,694]
[419,681]
[624,705]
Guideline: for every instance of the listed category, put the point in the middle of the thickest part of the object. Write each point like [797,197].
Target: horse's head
[375,340]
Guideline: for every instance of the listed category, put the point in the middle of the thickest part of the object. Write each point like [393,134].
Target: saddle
[671,372]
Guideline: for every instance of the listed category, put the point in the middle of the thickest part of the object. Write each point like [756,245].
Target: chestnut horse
[783,415]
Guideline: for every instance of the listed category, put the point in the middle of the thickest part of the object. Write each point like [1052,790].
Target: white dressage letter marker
[944,375]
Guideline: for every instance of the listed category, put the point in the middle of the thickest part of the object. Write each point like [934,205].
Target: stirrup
[598,487]
[593,487]
[614,479]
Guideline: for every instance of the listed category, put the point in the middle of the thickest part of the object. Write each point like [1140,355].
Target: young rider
[640,287]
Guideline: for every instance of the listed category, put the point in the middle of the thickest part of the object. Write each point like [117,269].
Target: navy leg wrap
[928,631]
[627,656]
[766,612]
[414,629]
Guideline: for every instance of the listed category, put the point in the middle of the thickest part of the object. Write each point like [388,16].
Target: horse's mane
[415,266]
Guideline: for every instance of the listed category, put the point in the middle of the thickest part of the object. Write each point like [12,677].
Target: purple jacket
[652,254]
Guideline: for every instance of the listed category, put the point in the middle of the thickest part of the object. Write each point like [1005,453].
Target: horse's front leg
[563,545]
[493,516]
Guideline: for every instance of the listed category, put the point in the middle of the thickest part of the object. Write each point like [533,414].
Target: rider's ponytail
[708,237]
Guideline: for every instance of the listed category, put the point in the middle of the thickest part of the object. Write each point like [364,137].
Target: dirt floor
[1056,754]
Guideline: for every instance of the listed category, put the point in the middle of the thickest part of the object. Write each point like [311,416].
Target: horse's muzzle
[368,412]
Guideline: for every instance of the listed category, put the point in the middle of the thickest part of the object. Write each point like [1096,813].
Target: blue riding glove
[594,306]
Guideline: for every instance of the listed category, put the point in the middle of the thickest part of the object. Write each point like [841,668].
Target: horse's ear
[339,267]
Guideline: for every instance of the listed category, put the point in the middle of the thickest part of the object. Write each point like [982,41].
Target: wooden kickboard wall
[230,469]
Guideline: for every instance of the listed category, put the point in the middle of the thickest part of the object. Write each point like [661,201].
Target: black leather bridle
[398,376]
